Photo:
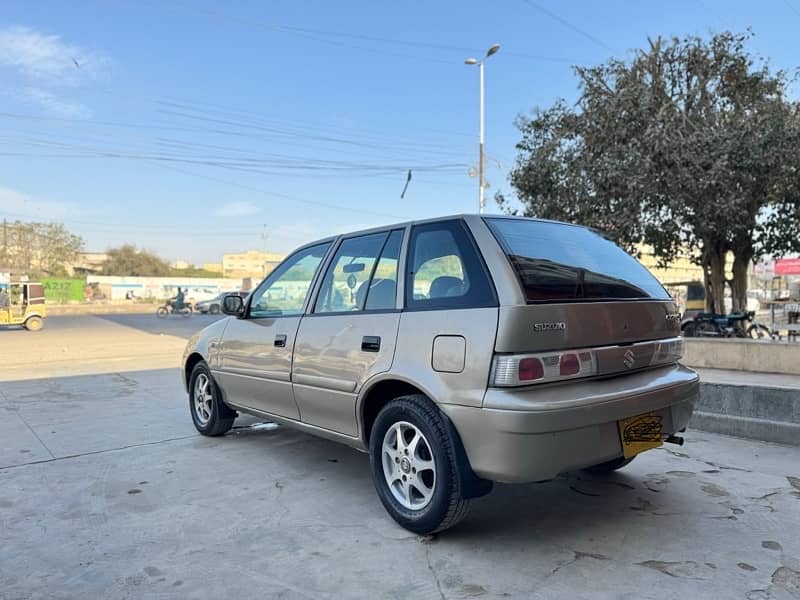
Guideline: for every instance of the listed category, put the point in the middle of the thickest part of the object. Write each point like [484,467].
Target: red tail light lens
[521,369]
[530,369]
[569,364]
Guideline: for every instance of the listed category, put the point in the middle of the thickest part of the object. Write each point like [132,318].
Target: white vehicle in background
[214,305]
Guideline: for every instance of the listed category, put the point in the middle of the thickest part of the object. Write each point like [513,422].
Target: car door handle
[371,343]
[280,340]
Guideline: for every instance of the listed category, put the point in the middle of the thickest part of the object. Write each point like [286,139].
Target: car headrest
[445,286]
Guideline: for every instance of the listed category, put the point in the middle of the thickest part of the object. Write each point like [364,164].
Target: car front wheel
[415,466]
[210,415]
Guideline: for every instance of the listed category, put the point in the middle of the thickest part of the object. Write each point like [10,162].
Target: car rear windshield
[560,262]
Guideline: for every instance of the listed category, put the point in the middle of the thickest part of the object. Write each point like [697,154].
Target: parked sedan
[457,352]
[214,305]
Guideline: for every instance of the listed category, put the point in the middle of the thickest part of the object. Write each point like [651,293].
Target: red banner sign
[787,266]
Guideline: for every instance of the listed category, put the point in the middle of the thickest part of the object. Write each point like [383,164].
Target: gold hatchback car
[457,352]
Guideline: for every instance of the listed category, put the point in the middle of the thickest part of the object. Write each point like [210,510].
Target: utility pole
[5,244]
[481,182]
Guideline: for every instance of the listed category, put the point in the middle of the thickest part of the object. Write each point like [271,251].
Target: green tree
[38,249]
[128,260]
[692,144]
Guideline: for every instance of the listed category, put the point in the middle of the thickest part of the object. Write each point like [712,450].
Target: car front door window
[284,292]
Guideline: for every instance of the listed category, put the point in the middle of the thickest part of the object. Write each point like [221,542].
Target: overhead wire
[568,24]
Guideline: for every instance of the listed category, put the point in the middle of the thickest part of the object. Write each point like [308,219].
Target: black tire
[214,310]
[689,330]
[162,311]
[447,505]
[34,323]
[219,416]
[610,466]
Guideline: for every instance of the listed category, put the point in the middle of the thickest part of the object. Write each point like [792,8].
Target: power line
[792,7]
[568,25]
[282,195]
[361,141]
[321,35]
[270,164]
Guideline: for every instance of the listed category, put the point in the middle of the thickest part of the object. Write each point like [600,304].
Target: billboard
[787,266]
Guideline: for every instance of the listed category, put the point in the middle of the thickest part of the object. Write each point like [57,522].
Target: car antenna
[405,187]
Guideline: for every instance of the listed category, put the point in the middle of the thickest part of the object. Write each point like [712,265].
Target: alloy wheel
[408,465]
[203,398]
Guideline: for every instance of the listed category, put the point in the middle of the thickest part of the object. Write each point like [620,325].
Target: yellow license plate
[640,433]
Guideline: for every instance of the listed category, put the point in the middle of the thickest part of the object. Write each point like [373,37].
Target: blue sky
[193,127]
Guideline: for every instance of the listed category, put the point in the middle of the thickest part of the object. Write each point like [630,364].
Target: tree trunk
[714,270]
[741,264]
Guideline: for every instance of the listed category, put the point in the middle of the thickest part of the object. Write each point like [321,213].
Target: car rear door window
[558,262]
[382,293]
[346,283]
[445,269]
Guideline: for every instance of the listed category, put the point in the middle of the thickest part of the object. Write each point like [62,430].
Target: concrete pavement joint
[432,570]
[21,418]
[69,456]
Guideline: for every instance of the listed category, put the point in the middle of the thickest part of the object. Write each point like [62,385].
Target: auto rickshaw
[695,297]
[22,303]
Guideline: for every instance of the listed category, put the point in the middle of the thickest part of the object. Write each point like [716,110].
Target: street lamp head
[471,61]
[492,50]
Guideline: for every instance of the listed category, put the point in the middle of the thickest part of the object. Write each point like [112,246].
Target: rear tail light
[524,369]
[667,351]
[509,370]
[530,369]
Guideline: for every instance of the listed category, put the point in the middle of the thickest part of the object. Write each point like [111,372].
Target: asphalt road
[106,491]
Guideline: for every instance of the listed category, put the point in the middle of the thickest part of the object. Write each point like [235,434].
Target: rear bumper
[536,433]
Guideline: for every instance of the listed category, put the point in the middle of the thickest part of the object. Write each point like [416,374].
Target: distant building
[212,267]
[87,263]
[181,264]
[253,263]
[680,270]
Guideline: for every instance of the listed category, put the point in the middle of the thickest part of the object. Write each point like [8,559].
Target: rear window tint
[559,262]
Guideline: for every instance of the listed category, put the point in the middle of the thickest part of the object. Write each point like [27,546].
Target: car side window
[284,292]
[445,269]
[382,293]
[347,281]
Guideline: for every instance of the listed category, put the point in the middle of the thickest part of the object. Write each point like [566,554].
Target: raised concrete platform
[757,356]
[760,406]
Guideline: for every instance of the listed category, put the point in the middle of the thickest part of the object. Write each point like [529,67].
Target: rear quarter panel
[413,360]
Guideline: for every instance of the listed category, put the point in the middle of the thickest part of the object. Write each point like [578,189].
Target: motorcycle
[734,325]
[169,309]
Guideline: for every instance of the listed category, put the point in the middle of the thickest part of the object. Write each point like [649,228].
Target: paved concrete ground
[107,492]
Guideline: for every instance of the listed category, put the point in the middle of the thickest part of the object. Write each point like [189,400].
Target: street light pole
[481,200]
[481,183]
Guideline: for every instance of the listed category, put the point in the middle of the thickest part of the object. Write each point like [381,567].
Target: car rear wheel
[210,415]
[34,323]
[415,466]
[610,466]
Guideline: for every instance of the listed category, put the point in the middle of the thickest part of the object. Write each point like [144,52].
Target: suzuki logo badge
[629,358]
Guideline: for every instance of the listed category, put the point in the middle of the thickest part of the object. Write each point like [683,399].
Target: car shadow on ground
[175,325]
[551,510]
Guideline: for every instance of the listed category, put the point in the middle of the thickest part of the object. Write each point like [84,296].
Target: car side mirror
[233,305]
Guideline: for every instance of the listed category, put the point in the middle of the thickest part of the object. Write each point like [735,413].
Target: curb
[768,414]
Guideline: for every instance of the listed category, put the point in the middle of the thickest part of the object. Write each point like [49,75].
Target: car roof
[404,224]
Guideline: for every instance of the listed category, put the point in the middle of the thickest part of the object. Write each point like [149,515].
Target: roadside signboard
[787,266]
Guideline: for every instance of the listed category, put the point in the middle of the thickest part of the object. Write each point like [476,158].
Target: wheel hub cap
[408,465]
[203,399]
